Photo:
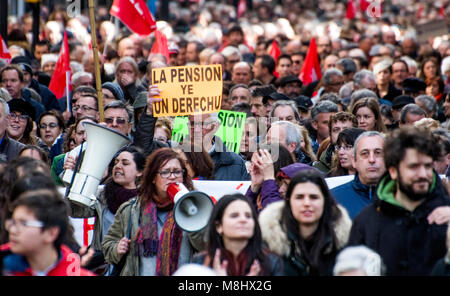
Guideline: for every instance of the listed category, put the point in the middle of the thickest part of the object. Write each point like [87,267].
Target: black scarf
[116,195]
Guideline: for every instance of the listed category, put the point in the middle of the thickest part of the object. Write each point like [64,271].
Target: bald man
[241,73]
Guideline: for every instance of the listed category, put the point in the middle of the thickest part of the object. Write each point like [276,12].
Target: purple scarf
[116,195]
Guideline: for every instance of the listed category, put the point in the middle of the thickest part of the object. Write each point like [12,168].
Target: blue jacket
[354,196]
[228,166]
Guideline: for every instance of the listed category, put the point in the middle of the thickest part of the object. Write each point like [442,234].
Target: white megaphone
[102,144]
[192,208]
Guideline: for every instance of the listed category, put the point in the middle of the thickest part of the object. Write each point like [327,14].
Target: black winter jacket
[405,241]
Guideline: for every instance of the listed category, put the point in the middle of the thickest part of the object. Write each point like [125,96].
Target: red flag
[160,46]
[135,14]
[58,82]
[442,10]
[419,12]
[4,52]
[310,71]
[363,4]
[350,13]
[242,7]
[275,52]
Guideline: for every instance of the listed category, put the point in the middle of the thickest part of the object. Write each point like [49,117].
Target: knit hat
[115,89]
[141,100]
[382,65]
[48,57]
[289,172]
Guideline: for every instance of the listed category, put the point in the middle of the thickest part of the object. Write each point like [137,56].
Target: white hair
[194,269]
[445,66]
[359,258]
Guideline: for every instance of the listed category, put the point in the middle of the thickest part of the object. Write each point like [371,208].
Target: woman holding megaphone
[119,187]
[157,245]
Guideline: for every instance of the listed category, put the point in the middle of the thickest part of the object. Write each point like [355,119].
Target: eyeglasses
[346,148]
[22,117]
[84,108]
[119,120]
[166,173]
[50,125]
[297,62]
[21,224]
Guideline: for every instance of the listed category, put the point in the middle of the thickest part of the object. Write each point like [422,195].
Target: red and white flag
[135,15]
[160,45]
[60,81]
[4,52]
[310,71]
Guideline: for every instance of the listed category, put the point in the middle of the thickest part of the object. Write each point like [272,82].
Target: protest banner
[218,189]
[180,129]
[231,129]
[188,90]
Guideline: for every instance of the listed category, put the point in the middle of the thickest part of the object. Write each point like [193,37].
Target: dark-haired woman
[120,187]
[308,228]
[157,246]
[343,157]
[235,246]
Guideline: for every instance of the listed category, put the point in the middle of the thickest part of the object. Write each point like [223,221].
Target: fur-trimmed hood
[276,237]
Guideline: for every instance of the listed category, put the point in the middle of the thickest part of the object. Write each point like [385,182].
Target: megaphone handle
[75,170]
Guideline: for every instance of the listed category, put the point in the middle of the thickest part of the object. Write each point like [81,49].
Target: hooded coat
[405,240]
[282,243]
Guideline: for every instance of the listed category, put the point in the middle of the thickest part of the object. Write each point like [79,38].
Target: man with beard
[407,225]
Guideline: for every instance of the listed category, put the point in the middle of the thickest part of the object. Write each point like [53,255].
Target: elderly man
[119,117]
[227,165]
[241,73]
[287,134]
[8,147]
[369,165]
[127,77]
[239,93]
[332,81]
[410,114]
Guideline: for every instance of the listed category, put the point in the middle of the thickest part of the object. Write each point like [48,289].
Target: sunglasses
[119,121]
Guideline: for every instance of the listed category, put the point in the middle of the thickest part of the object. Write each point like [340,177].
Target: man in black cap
[398,103]
[48,98]
[304,105]
[413,87]
[289,85]
[270,99]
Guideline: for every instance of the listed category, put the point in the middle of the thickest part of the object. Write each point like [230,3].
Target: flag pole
[96,60]
[67,90]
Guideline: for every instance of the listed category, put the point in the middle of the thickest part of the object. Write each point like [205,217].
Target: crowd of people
[379,112]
